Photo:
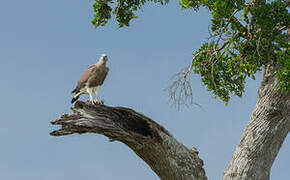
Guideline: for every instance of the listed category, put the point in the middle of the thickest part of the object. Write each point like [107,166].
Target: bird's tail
[75,90]
[75,98]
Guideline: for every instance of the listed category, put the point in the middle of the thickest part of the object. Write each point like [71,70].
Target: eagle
[91,80]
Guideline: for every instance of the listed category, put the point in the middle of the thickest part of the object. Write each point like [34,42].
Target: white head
[103,58]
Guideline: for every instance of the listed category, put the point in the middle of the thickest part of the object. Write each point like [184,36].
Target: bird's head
[104,58]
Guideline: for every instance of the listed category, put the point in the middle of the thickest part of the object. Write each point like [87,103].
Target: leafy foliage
[124,11]
[245,36]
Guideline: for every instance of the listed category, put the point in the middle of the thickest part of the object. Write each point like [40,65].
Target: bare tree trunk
[168,158]
[264,134]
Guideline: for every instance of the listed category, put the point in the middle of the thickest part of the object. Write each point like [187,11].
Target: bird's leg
[96,90]
[90,91]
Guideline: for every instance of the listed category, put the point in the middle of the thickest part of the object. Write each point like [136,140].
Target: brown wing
[84,78]
[98,76]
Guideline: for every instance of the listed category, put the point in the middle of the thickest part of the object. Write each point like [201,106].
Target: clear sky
[44,48]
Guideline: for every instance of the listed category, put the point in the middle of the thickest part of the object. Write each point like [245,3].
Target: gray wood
[171,160]
[264,134]
[168,158]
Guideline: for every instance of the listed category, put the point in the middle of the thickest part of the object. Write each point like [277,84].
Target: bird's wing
[98,76]
[84,78]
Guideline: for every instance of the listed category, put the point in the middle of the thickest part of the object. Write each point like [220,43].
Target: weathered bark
[171,160]
[168,158]
[264,134]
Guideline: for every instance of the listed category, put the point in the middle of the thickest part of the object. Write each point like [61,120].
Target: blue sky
[44,48]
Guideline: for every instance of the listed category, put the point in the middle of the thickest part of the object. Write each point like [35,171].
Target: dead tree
[168,158]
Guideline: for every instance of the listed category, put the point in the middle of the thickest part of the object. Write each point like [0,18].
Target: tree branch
[168,158]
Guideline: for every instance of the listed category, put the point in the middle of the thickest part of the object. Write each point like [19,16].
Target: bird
[91,80]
